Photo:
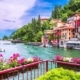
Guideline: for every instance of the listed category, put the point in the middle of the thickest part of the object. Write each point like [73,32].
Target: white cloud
[11,11]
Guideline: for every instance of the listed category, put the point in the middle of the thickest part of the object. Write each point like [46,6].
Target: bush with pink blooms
[1,61]
[59,58]
[67,59]
[15,60]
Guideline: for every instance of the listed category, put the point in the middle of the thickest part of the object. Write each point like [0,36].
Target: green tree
[38,36]
[39,21]
[5,37]
[56,12]
[45,26]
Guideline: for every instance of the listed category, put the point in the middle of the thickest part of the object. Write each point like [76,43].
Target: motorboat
[2,50]
[73,44]
[45,45]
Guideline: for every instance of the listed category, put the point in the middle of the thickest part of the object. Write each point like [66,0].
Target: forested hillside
[33,31]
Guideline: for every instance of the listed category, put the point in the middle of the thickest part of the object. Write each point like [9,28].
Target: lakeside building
[65,32]
[74,20]
[57,32]
[69,30]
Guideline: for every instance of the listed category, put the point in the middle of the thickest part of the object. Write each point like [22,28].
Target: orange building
[75,21]
[64,33]
[67,32]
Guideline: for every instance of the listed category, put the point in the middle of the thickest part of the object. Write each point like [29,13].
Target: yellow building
[67,32]
[75,21]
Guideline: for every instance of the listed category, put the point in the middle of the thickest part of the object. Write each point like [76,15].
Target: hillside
[33,31]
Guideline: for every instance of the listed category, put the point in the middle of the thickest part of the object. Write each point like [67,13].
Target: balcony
[34,70]
[27,72]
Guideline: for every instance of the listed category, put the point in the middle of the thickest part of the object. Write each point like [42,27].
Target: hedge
[60,74]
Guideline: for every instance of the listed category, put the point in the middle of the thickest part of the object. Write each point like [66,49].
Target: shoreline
[34,43]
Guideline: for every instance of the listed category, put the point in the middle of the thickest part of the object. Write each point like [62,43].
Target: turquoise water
[30,51]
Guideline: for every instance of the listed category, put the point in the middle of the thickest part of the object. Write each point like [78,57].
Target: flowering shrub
[22,61]
[76,60]
[67,59]
[1,61]
[14,61]
[60,74]
[59,58]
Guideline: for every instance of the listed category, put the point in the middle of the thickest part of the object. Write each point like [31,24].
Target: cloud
[16,13]
[43,8]
[12,10]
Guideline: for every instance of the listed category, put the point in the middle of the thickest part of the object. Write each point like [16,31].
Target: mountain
[6,32]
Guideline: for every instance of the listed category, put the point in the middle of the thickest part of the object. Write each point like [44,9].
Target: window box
[67,63]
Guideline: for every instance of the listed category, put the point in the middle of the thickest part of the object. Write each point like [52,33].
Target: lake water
[30,51]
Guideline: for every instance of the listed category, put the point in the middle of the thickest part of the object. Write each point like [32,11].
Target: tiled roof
[43,19]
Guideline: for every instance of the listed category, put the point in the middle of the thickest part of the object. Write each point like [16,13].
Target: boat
[45,45]
[2,50]
[73,44]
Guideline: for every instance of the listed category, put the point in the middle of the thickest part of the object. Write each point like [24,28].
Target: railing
[27,72]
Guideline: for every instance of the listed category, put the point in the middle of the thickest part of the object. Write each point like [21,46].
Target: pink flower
[35,59]
[22,61]
[1,60]
[76,60]
[1,55]
[59,58]
[15,55]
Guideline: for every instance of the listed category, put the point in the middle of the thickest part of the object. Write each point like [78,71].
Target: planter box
[20,69]
[7,75]
[68,65]
[25,69]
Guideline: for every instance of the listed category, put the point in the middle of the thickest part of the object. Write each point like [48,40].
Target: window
[61,42]
[69,38]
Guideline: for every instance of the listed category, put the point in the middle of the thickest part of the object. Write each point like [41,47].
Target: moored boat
[73,44]
[2,50]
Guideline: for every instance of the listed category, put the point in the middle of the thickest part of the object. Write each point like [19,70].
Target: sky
[16,13]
